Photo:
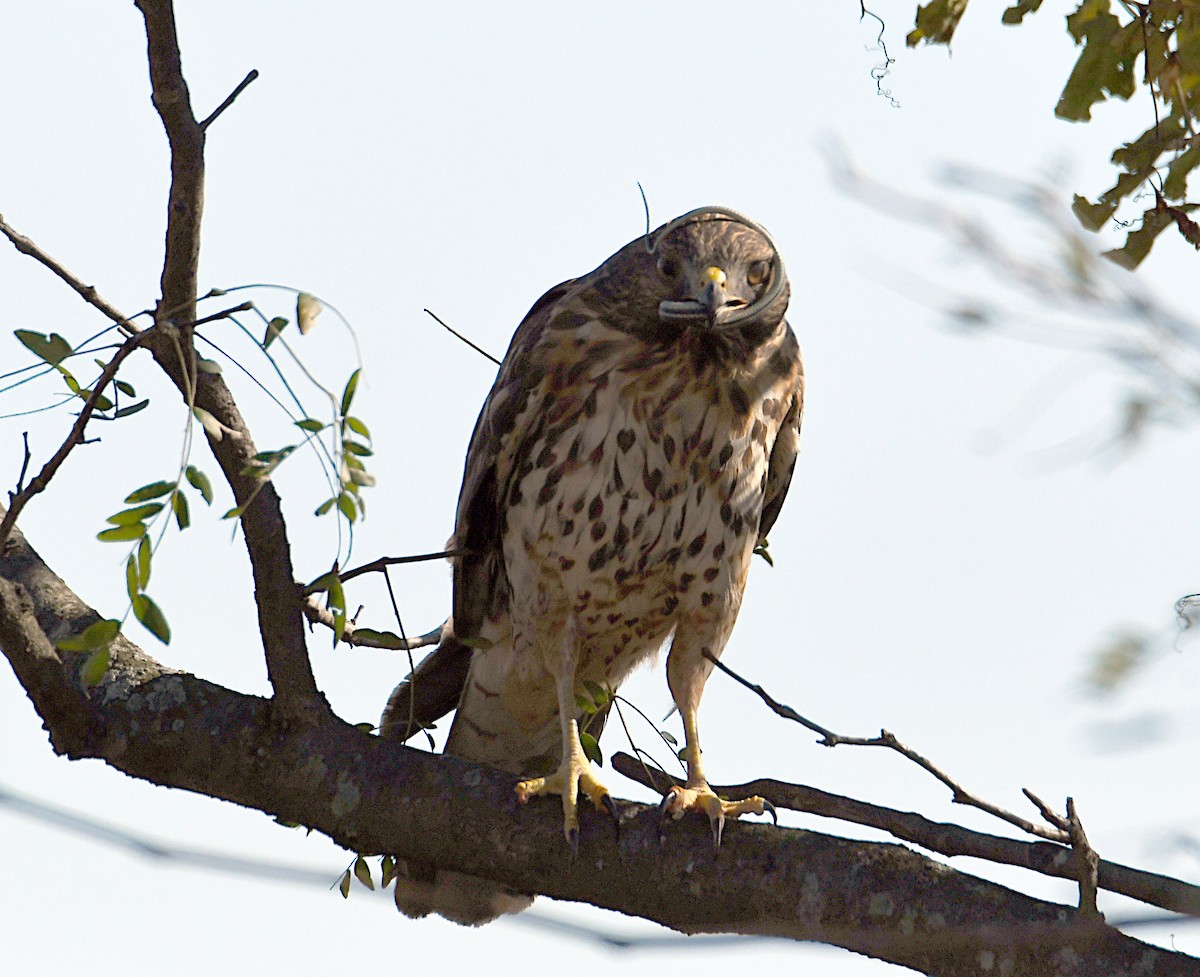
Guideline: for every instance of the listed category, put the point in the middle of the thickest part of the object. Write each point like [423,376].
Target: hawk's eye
[668,267]
[758,271]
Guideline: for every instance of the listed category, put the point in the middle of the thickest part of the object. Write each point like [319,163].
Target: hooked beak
[712,302]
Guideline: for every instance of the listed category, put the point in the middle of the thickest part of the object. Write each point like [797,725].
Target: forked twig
[885,739]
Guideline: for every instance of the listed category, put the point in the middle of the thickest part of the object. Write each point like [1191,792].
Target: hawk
[636,447]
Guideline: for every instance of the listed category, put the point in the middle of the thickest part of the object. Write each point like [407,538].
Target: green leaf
[1092,216]
[274,328]
[152,618]
[387,868]
[1175,185]
[1138,243]
[132,584]
[345,504]
[344,884]
[668,738]
[308,307]
[53,349]
[143,562]
[591,748]
[584,704]
[102,402]
[311,424]
[125,388]
[94,636]
[357,426]
[354,448]
[153,490]
[1016,13]
[199,481]
[122,534]
[70,381]
[476,643]
[600,695]
[132,408]
[211,425]
[1106,64]
[936,22]
[179,504]
[234,513]
[365,727]
[127,517]
[337,604]
[348,393]
[324,507]
[380,639]
[362,872]
[322,584]
[94,668]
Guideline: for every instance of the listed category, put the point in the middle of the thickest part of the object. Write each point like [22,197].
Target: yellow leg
[573,774]
[696,795]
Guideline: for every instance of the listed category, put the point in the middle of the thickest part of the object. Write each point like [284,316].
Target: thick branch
[279,614]
[1044,857]
[370,794]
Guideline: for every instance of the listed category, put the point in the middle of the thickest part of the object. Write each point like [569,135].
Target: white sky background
[937,571]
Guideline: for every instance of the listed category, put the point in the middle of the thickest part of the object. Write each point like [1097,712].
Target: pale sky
[940,569]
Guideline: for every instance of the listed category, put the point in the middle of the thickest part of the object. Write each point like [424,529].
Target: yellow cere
[715,274]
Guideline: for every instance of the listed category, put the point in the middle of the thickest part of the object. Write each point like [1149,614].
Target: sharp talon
[718,826]
[611,806]
[664,808]
[770,809]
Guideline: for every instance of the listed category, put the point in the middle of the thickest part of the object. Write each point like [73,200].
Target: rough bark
[371,795]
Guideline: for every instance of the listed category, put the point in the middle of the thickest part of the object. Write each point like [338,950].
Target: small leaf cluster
[592,702]
[355,440]
[132,525]
[1155,43]
[53,349]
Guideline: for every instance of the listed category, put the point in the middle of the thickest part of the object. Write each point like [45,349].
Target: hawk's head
[711,272]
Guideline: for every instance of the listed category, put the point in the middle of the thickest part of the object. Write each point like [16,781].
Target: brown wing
[480,585]
[787,442]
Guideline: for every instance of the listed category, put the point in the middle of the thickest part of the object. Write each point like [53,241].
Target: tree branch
[1043,857]
[19,499]
[373,795]
[87,292]
[279,613]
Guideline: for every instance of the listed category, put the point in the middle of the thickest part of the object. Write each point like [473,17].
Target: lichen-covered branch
[1044,857]
[373,795]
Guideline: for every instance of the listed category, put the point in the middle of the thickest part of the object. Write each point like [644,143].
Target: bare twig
[1047,811]
[885,739]
[945,839]
[229,101]
[378,565]
[1087,863]
[24,467]
[351,635]
[40,481]
[459,335]
[87,292]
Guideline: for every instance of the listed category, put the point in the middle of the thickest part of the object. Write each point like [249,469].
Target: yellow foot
[701,798]
[568,780]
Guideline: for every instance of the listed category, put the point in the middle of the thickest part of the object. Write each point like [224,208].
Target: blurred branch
[1073,298]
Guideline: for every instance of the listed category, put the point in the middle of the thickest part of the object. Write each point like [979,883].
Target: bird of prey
[634,450]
